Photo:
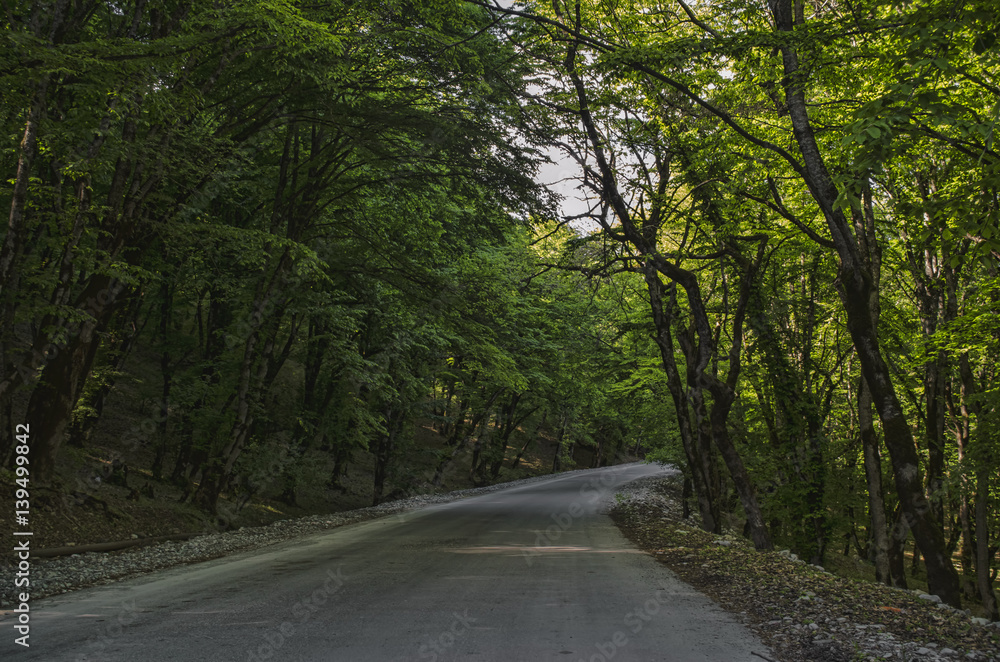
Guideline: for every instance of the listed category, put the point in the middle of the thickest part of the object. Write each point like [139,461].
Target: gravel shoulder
[801,611]
[53,576]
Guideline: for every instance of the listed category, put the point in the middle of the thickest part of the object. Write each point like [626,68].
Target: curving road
[532,573]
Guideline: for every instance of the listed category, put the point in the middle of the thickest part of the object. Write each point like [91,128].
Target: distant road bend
[531,573]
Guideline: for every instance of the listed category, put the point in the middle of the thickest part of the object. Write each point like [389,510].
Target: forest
[306,231]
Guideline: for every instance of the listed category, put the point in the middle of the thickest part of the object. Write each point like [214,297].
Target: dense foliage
[322,219]
[314,218]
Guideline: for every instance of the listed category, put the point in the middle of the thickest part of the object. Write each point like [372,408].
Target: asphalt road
[531,573]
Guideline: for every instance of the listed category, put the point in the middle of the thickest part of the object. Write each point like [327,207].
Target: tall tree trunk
[898,536]
[50,407]
[501,451]
[873,475]
[723,397]
[120,346]
[984,468]
[13,242]
[934,383]
[477,419]
[703,478]
[219,318]
[557,456]
[855,289]
[984,556]
[260,364]
[531,437]
[258,370]
[970,586]
[737,470]
[644,240]
[937,305]
[166,378]
[384,447]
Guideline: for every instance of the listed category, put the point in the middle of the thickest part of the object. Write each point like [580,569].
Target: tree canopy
[315,227]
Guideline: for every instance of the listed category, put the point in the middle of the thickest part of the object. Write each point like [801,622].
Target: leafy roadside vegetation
[242,238]
[804,200]
[289,252]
